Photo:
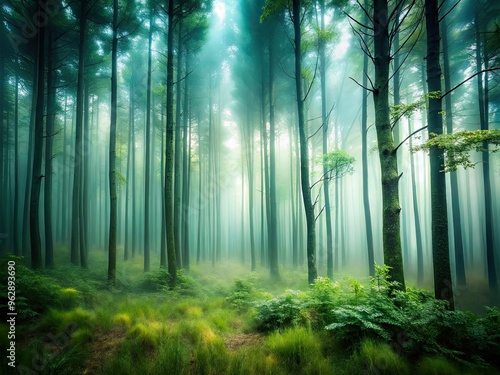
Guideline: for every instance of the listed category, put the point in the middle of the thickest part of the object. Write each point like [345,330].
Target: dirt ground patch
[103,346]
[235,342]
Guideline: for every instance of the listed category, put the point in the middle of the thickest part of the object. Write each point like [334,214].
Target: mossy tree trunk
[387,152]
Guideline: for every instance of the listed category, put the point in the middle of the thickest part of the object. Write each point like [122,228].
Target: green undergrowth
[221,323]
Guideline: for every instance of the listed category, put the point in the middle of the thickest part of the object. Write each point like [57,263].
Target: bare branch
[360,85]
[412,134]
[468,79]
[448,12]
[359,23]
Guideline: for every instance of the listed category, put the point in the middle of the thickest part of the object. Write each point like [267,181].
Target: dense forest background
[278,134]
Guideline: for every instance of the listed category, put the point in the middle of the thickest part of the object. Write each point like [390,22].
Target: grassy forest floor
[226,320]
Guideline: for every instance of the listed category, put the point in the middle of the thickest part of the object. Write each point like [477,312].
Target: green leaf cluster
[458,146]
[406,110]
[338,163]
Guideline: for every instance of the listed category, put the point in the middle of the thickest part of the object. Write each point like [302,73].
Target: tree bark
[169,151]
[36,179]
[51,109]
[273,223]
[440,247]
[455,203]
[484,120]
[77,252]
[387,154]
[364,163]
[178,151]
[112,152]
[312,273]
[148,146]
[324,119]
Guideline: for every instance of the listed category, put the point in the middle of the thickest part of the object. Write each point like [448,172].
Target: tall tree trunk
[29,167]
[85,171]
[324,120]
[77,252]
[36,179]
[51,109]
[131,150]
[163,246]
[364,162]
[17,245]
[293,203]
[249,147]
[169,150]
[440,247]
[112,151]
[148,152]
[200,180]
[455,203]
[273,223]
[484,120]
[128,191]
[185,172]
[416,214]
[178,151]
[387,153]
[265,160]
[312,273]
[3,145]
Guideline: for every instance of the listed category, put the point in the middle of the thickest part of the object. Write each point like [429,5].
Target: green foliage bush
[322,297]
[283,311]
[241,295]
[35,293]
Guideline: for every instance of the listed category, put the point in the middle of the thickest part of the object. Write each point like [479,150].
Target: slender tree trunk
[112,151]
[185,172]
[131,150]
[36,179]
[128,189]
[17,245]
[455,203]
[169,151]
[148,152]
[163,247]
[273,223]
[29,167]
[293,203]
[387,152]
[324,120]
[51,109]
[200,180]
[178,152]
[440,247]
[249,146]
[3,132]
[483,93]
[312,273]
[416,214]
[76,248]
[364,163]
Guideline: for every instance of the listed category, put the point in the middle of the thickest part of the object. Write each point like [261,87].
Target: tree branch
[468,79]
[412,134]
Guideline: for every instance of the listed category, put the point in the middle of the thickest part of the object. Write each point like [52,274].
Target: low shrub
[377,357]
[436,366]
[241,295]
[298,351]
[283,311]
